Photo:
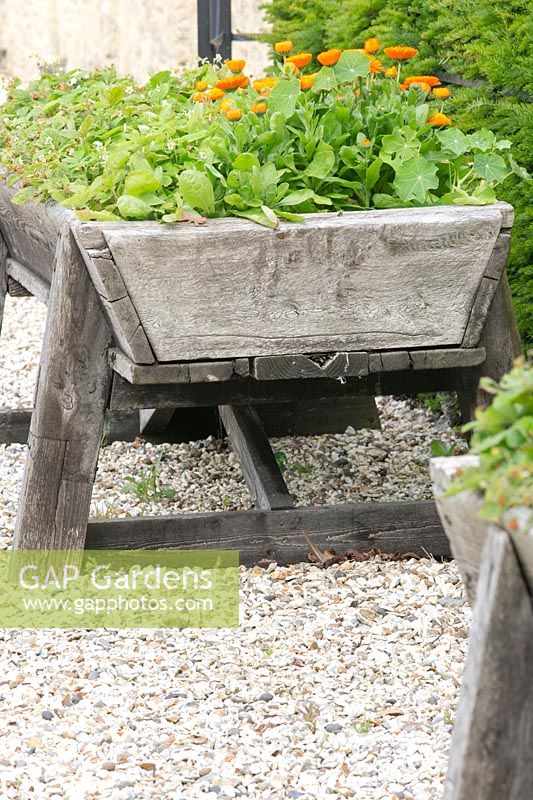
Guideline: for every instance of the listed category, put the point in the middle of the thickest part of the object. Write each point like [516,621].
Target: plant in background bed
[352,132]
[487,40]
[503,440]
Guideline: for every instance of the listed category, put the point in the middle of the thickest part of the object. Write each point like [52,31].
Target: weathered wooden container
[233,315]
[493,737]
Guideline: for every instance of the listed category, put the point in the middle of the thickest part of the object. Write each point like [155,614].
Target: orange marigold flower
[234,114]
[400,53]
[306,81]
[283,47]
[215,94]
[439,120]
[329,57]
[245,81]
[372,45]
[441,92]
[376,66]
[431,80]
[421,85]
[264,83]
[299,60]
[198,97]
[391,72]
[258,108]
[366,142]
[227,103]
[235,64]
[403,85]
[201,85]
[229,83]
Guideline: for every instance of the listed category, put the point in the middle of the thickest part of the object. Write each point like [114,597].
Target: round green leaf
[414,178]
[491,167]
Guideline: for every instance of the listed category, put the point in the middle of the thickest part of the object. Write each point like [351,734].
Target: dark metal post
[214,28]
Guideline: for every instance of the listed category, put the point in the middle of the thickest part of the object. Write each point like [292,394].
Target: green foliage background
[488,40]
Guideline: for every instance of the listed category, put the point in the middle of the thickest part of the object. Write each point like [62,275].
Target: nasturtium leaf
[325,80]
[518,170]
[141,182]
[284,96]
[503,144]
[351,65]
[197,190]
[131,207]
[454,140]
[399,146]
[414,178]
[490,166]
[323,161]
[481,140]
[246,161]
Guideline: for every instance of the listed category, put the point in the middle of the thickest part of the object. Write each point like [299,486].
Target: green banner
[119,589]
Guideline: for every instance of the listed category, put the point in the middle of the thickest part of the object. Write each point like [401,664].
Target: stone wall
[138,36]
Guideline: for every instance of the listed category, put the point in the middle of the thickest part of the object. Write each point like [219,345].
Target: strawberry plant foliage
[209,143]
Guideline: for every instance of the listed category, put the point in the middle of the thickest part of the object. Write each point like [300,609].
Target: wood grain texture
[467,531]
[67,422]
[186,372]
[116,302]
[248,390]
[27,277]
[498,257]
[327,365]
[3,278]
[501,340]
[389,527]
[154,420]
[16,289]
[336,283]
[31,231]
[258,463]
[314,418]
[492,743]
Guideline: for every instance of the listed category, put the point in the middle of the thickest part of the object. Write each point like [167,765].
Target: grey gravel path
[338,683]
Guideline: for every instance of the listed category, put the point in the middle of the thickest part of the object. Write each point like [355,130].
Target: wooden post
[67,421]
[501,340]
[3,278]
[493,738]
[258,462]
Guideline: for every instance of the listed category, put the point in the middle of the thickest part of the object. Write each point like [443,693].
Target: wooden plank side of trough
[389,527]
[270,368]
[248,390]
[298,289]
[31,231]
[490,757]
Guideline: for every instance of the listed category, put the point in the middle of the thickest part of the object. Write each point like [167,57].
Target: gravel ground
[338,683]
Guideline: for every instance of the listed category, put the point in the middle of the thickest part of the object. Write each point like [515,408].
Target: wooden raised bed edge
[492,743]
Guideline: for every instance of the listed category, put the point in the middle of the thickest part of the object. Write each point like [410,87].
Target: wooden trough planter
[235,316]
[493,737]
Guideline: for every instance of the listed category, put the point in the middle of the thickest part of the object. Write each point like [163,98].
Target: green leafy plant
[147,488]
[489,41]
[347,137]
[439,448]
[503,439]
